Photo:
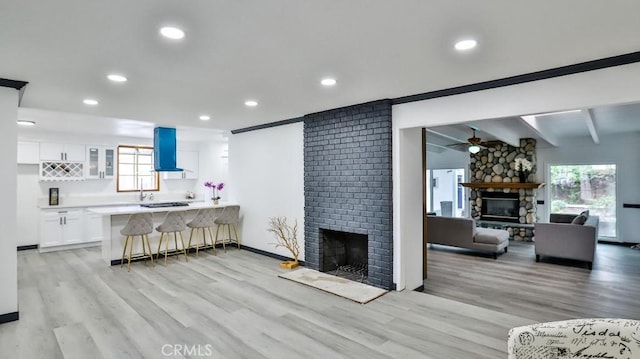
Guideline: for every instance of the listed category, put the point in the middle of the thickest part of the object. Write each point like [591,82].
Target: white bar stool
[140,224]
[173,223]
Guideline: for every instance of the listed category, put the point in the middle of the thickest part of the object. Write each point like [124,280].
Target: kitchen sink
[164,204]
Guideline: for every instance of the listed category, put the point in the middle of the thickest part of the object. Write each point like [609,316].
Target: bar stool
[203,221]
[230,218]
[140,224]
[173,223]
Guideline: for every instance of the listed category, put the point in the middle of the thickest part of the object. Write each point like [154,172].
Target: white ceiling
[54,122]
[550,130]
[277,51]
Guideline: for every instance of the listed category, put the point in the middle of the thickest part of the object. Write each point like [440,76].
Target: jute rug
[358,292]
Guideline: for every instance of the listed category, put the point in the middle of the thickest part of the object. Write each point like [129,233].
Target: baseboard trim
[625,244]
[269,254]
[115,262]
[26,248]
[69,246]
[9,317]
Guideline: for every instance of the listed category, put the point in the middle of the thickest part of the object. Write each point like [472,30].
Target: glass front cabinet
[100,162]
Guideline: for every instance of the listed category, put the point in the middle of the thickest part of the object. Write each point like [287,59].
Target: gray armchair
[566,240]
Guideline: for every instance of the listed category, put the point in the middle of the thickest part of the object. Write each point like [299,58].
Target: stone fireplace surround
[496,165]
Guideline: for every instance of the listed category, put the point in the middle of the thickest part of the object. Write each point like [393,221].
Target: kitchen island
[116,217]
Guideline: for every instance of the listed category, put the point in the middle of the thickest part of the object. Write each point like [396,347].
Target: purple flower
[209,184]
[220,186]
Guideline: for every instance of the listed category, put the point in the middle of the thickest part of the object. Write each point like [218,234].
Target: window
[574,189]
[444,194]
[135,169]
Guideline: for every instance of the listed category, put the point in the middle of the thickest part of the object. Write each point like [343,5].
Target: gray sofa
[462,232]
[562,239]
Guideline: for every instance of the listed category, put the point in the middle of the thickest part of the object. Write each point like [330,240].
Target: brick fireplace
[348,187]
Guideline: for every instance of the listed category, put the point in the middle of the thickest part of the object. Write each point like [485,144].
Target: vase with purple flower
[215,190]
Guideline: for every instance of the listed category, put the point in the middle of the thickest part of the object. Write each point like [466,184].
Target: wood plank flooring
[73,306]
[553,289]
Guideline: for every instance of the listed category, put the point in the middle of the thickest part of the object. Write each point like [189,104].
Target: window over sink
[135,169]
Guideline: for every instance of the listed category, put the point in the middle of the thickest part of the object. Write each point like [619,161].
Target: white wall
[8,242]
[587,89]
[214,166]
[266,177]
[407,207]
[621,150]
[447,160]
[31,191]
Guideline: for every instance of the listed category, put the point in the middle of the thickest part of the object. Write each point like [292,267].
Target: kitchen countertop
[89,204]
[131,208]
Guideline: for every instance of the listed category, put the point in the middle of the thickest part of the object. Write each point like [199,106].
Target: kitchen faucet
[142,194]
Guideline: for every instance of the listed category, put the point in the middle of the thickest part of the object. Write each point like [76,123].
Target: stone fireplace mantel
[502,185]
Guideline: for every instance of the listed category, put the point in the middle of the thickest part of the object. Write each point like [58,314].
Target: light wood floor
[554,289]
[73,306]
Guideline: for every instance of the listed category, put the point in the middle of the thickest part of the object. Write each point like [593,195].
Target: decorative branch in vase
[215,190]
[524,167]
[286,237]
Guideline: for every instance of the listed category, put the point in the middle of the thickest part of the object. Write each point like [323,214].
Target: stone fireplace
[508,204]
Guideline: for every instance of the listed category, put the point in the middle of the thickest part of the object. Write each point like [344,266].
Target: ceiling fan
[474,144]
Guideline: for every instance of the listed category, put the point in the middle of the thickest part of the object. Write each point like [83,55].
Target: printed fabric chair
[576,338]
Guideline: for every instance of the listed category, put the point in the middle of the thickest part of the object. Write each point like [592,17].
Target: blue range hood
[164,149]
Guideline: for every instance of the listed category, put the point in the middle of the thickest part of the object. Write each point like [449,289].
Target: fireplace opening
[345,254]
[497,206]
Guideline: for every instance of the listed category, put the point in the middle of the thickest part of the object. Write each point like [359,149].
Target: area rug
[358,292]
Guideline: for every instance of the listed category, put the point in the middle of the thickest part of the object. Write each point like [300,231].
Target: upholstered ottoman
[576,338]
[493,240]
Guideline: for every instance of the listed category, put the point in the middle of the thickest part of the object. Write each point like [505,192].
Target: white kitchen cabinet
[100,162]
[92,227]
[28,153]
[50,229]
[188,161]
[62,152]
[61,227]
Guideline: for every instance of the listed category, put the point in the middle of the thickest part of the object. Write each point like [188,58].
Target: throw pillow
[585,213]
[580,219]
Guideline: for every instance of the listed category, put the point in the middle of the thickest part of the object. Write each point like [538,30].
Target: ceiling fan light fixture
[465,45]
[474,149]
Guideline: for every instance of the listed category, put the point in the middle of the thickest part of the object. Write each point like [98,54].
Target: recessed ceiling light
[90,101]
[251,103]
[116,78]
[328,82]
[466,45]
[205,118]
[172,33]
[26,123]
